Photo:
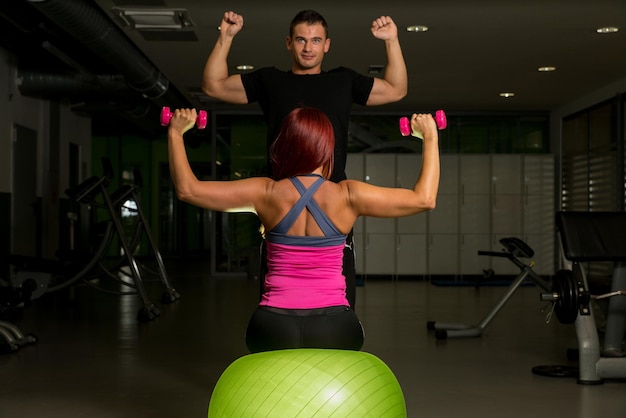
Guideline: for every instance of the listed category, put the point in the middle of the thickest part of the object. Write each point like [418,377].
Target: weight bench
[592,237]
[515,249]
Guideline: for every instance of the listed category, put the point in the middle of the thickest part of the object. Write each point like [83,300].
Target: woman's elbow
[423,204]
[183,194]
[430,203]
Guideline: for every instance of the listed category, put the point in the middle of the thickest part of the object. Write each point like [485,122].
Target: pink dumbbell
[166,116]
[405,125]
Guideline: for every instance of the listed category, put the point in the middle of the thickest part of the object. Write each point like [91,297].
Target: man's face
[308,45]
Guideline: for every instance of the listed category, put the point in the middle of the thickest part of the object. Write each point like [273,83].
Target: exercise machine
[94,192]
[592,237]
[14,338]
[11,337]
[514,249]
[52,275]
[130,192]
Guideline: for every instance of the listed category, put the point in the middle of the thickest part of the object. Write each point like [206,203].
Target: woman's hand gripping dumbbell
[405,124]
[166,116]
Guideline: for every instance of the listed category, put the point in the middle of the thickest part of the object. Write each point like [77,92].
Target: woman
[305,219]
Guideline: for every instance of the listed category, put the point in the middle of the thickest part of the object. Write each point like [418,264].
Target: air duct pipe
[79,87]
[87,23]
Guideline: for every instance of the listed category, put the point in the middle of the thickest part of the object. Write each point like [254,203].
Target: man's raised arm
[394,85]
[216,82]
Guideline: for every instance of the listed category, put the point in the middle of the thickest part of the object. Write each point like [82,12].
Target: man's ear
[288,43]
[327,45]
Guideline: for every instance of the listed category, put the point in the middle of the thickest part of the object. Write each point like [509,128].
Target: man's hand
[231,24]
[384,28]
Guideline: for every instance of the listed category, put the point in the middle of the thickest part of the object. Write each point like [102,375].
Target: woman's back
[304,267]
[331,197]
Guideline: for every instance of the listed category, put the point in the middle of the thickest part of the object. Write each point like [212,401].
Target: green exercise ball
[307,382]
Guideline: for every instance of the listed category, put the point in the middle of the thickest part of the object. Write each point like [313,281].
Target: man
[306,84]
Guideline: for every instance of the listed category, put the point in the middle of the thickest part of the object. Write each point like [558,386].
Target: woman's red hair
[306,141]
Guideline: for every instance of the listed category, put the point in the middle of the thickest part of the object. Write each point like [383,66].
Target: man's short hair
[310,17]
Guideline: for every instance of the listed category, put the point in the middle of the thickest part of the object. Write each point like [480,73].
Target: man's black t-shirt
[333,92]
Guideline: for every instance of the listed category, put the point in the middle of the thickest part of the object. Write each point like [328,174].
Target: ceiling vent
[153,18]
[157,24]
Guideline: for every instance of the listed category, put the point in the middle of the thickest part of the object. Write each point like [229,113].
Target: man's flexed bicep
[394,85]
[216,81]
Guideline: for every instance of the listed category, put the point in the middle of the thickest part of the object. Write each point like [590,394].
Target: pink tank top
[305,272]
[304,277]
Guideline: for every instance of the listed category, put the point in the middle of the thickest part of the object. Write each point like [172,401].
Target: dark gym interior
[118,300]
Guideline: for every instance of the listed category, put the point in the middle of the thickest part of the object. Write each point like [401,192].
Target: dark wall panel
[5,234]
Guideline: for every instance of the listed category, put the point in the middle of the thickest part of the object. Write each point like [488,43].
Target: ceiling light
[507,95]
[607,29]
[245,67]
[416,28]
[546,69]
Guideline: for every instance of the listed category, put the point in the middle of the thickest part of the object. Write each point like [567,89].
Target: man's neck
[306,71]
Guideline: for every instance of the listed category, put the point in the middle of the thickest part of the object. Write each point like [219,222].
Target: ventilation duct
[88,25]
[103,87]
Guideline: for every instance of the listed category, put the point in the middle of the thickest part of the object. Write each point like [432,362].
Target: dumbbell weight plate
[440,118]
[201,120]
[166,116]
[556,371]
[566,305]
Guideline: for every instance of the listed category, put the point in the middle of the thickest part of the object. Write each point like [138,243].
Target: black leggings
[275,329]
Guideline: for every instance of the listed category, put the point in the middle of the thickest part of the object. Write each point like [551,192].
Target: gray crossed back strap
[306,200]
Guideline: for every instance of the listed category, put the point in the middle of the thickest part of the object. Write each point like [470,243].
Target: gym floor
[94,359]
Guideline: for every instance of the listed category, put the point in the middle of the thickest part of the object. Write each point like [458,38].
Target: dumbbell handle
[405,124]
[166,117]
[549,297]
[552,297]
